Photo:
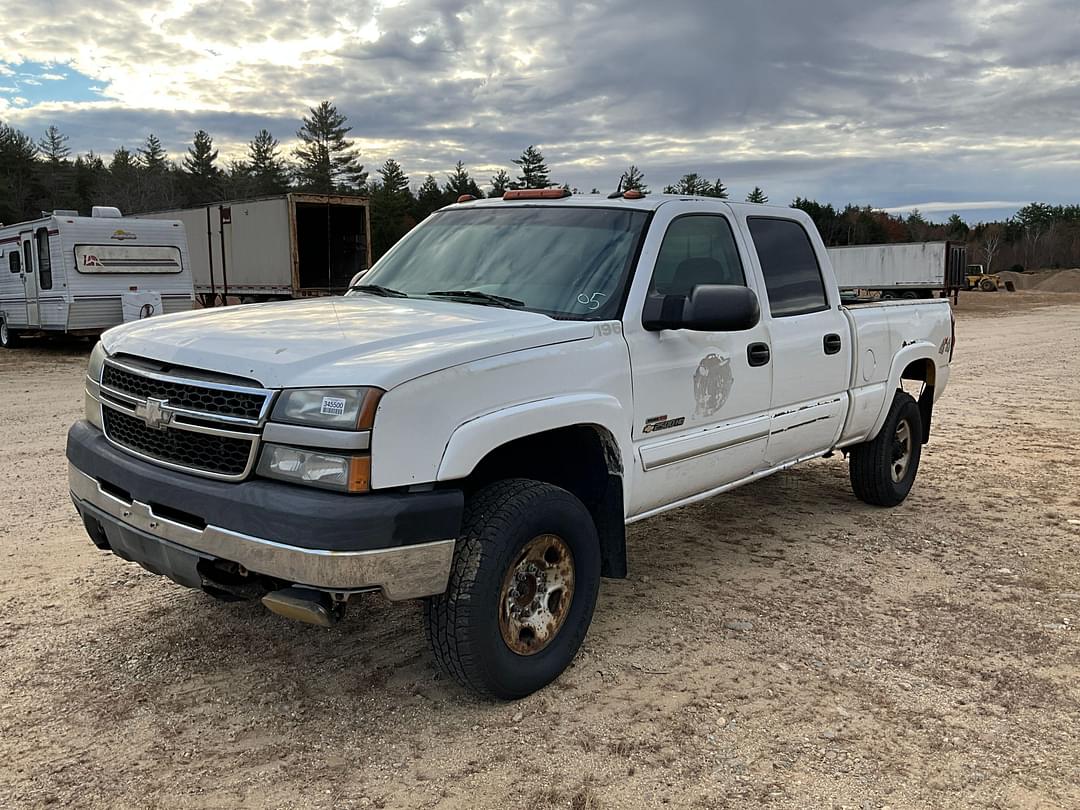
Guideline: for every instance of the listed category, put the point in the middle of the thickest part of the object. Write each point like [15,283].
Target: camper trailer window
[44,261]
[133,259]
[13,262]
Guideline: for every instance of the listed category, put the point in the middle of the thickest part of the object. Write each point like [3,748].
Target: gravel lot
[783,645]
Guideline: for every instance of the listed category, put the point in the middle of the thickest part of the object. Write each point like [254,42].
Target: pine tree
[534,171]
[90,180]
[268,172]
[391,201]
[54,146]
[202,178]
[691,183]
[328,162]
[154,158]
[124,183]
[633,179]
[459,183]
[18,175]
[500,182]
[956,228]
[716,189]
[757,196]
[429,197]
[56,172]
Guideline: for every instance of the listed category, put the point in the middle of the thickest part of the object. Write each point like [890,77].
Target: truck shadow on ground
[176,649]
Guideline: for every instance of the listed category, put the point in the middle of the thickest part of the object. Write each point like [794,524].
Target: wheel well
[582,459]
[923,371]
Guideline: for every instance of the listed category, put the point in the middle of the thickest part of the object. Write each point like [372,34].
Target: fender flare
[473,440]
[922,350]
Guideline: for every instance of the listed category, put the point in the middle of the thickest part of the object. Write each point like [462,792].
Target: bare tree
[989,243]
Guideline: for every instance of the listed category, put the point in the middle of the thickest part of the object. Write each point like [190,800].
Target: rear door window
[792,275]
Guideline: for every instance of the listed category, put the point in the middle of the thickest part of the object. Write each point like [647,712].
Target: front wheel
[883,469]
[987,285]
[522,589]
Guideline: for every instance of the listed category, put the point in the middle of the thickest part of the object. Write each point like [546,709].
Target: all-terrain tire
[874,464]
[987,285]
[463,624]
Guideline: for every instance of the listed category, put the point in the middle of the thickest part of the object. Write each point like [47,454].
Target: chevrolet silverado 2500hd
[478,419]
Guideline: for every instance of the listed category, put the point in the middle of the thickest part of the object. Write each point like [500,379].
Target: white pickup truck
[477,421]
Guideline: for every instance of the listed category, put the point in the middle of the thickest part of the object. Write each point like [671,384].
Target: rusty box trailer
[267,248]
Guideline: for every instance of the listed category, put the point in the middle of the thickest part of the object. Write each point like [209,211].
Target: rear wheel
[883,469]
[522,589]
[9,338]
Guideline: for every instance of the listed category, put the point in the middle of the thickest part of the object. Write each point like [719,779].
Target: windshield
[567,262]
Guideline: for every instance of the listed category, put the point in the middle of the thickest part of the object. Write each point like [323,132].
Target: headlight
[97,362]
[315,468]
[341,408]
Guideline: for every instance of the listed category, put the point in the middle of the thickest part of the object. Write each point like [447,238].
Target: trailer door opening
[331,245]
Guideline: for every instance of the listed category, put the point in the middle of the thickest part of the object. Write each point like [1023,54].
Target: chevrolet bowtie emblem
[154,414]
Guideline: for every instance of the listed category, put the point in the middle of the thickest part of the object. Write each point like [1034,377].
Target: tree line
[42,175]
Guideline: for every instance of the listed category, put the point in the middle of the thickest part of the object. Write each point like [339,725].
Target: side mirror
[709,308]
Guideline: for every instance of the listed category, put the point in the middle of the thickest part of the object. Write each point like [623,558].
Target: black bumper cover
[288,514]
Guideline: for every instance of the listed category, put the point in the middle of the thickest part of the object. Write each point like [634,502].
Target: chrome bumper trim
[405,572]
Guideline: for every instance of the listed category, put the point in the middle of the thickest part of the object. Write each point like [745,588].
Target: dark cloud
[894,103]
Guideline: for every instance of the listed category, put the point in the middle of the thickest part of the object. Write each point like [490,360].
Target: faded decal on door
[712,384]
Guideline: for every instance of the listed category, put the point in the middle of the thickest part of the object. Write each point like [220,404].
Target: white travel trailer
[65,273]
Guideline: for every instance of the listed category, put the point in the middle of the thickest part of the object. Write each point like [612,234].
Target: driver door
[701,399]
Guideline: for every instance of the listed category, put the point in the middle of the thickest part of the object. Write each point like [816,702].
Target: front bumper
[401,544]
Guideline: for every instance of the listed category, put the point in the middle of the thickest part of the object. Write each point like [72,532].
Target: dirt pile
[1023,281]
[1045,280]
[1061,281]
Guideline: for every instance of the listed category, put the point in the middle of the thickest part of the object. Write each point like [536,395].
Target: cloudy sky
[969,106]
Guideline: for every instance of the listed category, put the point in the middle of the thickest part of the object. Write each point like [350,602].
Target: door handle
[757,354]
[832,344]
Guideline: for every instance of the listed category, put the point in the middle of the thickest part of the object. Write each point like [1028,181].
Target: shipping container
[902,270]
[287,246]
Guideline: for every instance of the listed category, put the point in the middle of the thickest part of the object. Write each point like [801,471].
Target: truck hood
[355,340]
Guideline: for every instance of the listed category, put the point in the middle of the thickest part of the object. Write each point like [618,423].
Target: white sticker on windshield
[332,406]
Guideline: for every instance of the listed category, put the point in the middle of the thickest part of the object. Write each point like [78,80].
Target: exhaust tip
[303,605]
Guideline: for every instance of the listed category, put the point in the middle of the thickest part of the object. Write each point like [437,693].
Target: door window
[44,261]
[697,249]
[792,275]
[13,261]
[28,261]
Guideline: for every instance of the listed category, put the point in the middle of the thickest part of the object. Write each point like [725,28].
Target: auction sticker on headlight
[332,406]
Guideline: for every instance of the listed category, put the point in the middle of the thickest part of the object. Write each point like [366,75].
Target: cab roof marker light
[536,194]
[464,198]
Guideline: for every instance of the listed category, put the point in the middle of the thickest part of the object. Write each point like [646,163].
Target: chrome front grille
[185,395]
[194,425]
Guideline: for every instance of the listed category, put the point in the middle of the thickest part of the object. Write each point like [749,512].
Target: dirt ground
[781,646]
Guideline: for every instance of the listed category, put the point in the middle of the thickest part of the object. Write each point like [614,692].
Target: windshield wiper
[479,297]
[378,289]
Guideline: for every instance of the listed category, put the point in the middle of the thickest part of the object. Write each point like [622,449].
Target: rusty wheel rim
[536,594]
[901,451]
